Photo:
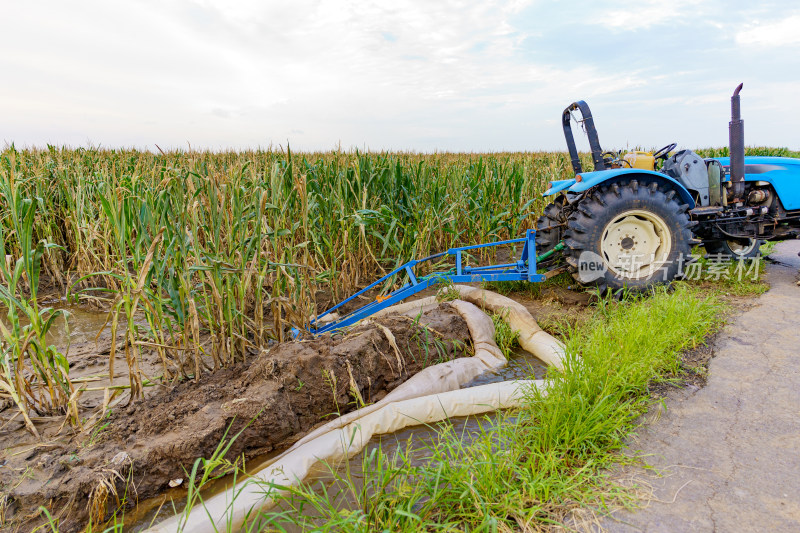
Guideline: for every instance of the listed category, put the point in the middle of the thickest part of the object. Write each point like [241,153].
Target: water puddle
[521,365]
[83,325]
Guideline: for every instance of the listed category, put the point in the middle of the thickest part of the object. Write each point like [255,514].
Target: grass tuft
[505,337]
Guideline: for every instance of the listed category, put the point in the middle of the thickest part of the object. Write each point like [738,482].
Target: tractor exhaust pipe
[736,145]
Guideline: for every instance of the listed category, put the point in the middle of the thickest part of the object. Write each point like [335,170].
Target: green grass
[505,337]
[532,465]
[743,278]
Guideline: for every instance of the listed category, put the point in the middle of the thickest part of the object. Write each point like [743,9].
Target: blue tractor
[624,224]
[632,220]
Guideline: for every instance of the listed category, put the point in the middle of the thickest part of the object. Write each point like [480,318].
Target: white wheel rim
[636,244]
[739,249]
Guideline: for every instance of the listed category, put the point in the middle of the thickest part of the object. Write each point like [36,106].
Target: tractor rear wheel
[734,249]
[628,235]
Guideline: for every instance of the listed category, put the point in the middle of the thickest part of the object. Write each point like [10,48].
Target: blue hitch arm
[522,270]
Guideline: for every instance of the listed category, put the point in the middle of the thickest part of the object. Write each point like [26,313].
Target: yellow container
[639,159]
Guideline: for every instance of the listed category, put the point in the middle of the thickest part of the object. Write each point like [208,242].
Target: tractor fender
[558,186]
[591,179]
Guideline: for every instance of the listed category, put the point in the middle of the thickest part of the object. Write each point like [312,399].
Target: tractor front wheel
[628,235]
[733,249]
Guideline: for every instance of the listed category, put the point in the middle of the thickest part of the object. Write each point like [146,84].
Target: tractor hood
[755,165]
[783,173]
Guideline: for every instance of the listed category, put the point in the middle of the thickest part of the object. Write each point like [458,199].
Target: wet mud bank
[273,399]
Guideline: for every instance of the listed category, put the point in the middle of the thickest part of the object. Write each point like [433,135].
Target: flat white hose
[431,395]
[443,377]
[229,513]
[531,337]
[414,306]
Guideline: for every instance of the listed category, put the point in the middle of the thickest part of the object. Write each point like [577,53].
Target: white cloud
[242,73]
[643,14]
[777,33]
[410,74]
[405,74]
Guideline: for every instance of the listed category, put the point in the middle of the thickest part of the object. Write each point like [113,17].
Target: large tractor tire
[628,235]
[734,249]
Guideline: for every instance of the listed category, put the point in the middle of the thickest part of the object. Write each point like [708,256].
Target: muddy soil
[275,398]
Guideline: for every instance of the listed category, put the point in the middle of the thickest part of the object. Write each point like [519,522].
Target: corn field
[207,257]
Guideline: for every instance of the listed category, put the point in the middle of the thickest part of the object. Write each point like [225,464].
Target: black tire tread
[550,226]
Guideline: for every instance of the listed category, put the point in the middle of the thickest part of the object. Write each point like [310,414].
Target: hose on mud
[430,396]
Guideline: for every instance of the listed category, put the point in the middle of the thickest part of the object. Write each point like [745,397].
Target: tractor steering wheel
[664,152]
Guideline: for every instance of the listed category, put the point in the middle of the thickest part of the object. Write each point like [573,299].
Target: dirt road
[729,453]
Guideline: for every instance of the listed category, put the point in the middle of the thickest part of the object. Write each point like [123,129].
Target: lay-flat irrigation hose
[409,404]
[531,337]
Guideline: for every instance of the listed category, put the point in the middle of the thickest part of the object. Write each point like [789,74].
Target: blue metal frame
[522,270]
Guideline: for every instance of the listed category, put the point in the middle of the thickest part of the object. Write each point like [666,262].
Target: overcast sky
[403,74]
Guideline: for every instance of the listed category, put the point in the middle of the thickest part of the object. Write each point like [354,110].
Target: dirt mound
[273,400]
